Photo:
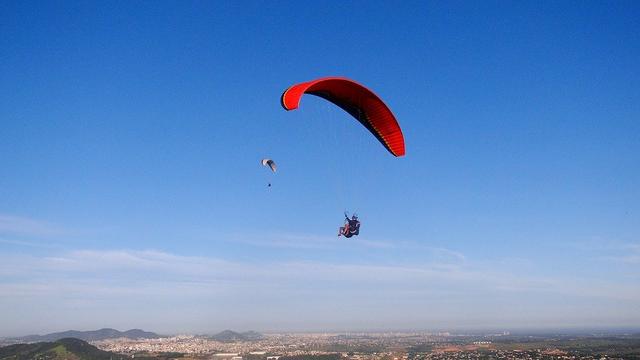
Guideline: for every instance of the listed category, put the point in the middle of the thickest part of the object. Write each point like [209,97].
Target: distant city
[251,345]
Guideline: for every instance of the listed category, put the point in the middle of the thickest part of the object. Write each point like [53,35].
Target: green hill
[67,349]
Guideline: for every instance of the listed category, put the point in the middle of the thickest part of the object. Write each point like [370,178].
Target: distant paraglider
[270,164]
[357,100]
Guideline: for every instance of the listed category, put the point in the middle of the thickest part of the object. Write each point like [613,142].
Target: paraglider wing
[358,101]
[269,163]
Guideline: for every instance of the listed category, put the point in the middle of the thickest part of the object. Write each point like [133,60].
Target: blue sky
[131,193]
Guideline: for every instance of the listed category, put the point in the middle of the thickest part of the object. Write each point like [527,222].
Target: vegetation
[68,349]
[624,347]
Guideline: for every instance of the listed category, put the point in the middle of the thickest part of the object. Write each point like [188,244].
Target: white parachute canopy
[269,163]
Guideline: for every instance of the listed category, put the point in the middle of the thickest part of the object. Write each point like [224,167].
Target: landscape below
[230,345]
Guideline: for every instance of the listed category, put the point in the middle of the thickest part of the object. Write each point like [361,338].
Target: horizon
[132,193]
[568,331]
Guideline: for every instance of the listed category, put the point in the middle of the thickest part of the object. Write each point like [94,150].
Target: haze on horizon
[132,196]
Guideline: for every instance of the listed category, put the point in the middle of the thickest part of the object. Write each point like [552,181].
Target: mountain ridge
[229,335]
[92,335]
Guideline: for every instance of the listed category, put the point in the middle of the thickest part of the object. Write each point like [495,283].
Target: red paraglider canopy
[358,101]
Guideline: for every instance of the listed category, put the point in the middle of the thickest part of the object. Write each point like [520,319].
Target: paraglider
[351,226]
[361,103]
[358,101]
[270,164]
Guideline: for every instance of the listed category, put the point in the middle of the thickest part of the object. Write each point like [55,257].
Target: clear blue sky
[131,193]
